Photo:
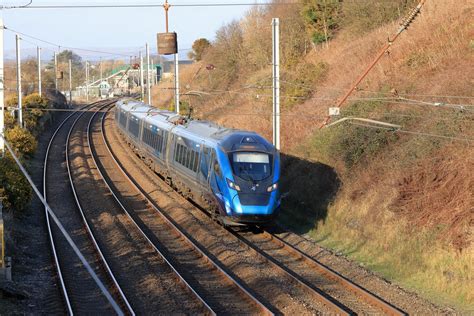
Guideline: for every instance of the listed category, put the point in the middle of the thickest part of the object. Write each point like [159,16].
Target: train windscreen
[252,166]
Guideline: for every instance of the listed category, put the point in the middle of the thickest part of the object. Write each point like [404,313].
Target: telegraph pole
[176,81]
[276,82]
[56,71]
[2,105]
[70,82]
[142,88]
[38,53]
[87,81]
[18,80]
[148,86]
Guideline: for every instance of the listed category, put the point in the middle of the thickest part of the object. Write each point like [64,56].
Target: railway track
[79,291]
[313,273]
[335,293]
[222,292]
[149,282]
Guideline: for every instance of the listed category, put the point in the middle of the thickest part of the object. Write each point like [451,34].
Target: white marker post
[176,81]
[70,82]
[55,72]
[142,88]
[87,81]
[2,105]
[276,82]
[18,80]
[38,55]
[148,85]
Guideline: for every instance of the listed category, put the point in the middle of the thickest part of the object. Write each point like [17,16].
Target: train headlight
[273,187]
[232,185]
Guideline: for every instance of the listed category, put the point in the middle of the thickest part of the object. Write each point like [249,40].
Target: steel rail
[370,298]
[332,303]
[173,225]
[337,307]
[167,261]
[86,223]
[48,222]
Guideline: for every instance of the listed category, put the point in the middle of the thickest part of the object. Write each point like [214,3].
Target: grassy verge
[397,204]
[415,260]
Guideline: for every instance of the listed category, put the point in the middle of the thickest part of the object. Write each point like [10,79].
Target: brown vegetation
[405,204]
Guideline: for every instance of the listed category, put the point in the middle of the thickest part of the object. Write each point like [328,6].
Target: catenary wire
[151,5]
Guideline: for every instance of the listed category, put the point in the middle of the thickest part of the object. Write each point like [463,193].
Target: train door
[215,176]
[204,166]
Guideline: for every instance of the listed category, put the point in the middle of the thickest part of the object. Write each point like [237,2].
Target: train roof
[229,139]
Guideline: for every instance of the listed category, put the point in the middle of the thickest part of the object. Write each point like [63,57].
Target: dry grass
[405,204]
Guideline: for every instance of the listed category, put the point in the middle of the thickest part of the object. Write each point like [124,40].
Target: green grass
[415,260]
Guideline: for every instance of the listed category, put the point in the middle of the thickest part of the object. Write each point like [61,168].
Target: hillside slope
[401,203]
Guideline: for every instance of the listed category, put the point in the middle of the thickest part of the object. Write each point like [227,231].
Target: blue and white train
[233,174]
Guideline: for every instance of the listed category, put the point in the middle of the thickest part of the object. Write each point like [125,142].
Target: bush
[199,48]
[14,188]
[22,141]
[363,16]
[297,83]
[34,100]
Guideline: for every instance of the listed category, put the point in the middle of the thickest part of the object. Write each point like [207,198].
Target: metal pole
[100,67]
[18,80]
[142,88]
[39,70]
[148,85]
[276,82]
[87,81]
[176,81]
[2,105]
[70,82]
[129,77]
[56,71]
[152,72]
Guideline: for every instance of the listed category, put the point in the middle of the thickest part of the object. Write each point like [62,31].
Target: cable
[469,140]
[89,6]
[16,7]
[385,93]
[67,47]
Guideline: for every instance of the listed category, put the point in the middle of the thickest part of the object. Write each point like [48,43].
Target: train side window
[175,151]
[196,162]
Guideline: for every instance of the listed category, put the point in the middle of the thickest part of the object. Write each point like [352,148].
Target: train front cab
[245,181]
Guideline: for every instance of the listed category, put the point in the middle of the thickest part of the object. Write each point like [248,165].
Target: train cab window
[253,166]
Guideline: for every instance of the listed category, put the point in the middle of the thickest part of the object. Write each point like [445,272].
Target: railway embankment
[33,285]
[399,202]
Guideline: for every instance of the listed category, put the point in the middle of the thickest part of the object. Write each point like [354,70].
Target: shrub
[297,83]
[199,48]
[11,101]
[22,141]
[363,16]
[321,18]
[14,188]
[34,100]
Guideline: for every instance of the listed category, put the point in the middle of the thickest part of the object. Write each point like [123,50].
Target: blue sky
[109,28]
